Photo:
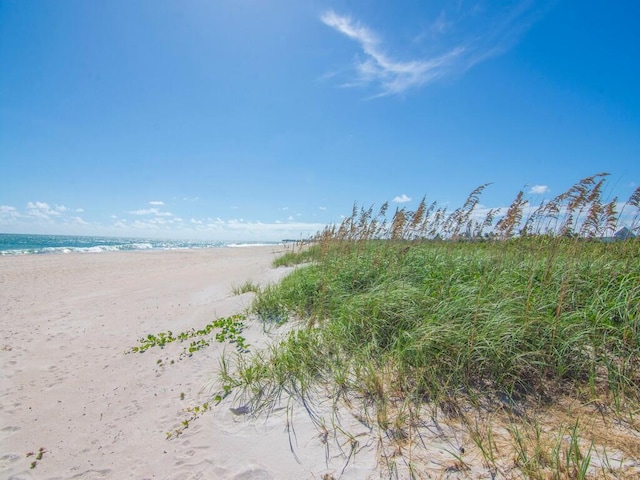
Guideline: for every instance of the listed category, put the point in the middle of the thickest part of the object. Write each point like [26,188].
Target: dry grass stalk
[512,218]
[581,211]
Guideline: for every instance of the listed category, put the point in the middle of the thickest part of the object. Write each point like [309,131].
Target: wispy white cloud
[394,76]
[465,38]
[539,189]
[156,202]
[327,76]
[151,211]
[402,199]
[77,221]
[441,24]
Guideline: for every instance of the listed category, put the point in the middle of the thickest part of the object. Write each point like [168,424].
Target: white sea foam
[12,244]
[251,244]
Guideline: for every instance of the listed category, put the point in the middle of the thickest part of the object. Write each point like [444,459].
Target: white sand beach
[69,389]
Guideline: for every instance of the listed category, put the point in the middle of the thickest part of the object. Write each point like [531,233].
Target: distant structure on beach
[301,241]
[623,234]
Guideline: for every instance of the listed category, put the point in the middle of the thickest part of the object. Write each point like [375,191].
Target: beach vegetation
[518,328]
[222,330]
[246,287]
[296,256]
[226,329]
[37,455]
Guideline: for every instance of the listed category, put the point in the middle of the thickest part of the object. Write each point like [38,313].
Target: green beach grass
[520,328]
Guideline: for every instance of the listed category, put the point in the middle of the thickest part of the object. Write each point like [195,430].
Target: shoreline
[23,244]
[68,388]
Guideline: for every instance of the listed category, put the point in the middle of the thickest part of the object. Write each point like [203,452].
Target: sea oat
[513,217]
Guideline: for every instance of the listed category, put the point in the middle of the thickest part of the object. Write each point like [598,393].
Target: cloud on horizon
[39,213]
[40,218]
[9,214]
[43,211]
[151,211]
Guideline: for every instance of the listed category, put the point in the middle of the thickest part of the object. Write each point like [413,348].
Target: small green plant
[194,412]
[38,456]
[246,287]
[226,390]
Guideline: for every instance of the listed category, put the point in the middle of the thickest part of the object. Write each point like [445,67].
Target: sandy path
[67,386]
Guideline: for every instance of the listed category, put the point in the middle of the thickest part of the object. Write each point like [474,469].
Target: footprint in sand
[253,473]
[93,474]
[9,458]
[6,432]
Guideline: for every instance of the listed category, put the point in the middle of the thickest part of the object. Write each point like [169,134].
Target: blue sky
[263,120]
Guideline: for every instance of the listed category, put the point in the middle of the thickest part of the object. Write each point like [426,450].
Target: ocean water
[18,244]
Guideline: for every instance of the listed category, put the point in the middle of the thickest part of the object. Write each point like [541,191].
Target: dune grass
[517,318]
[456,311]
[246,287]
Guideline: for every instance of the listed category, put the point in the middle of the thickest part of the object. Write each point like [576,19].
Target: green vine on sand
[195,413]
[198,410]
[227,329]
[230,329]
